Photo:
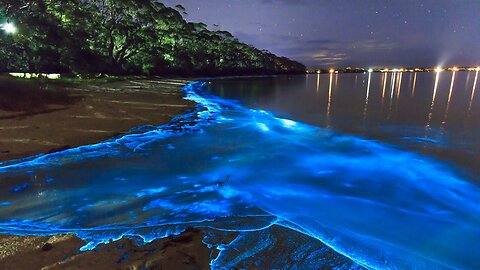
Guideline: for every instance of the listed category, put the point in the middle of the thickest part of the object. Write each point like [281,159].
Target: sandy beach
[185,251]
[40,117]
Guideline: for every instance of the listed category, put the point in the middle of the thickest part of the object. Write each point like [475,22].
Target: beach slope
[39,117]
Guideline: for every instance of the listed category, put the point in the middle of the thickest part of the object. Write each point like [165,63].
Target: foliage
[124,37]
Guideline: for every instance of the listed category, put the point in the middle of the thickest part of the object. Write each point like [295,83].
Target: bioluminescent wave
[234,169]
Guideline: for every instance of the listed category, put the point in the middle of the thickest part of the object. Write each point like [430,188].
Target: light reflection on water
[433,113]
[473,91]
[234,169]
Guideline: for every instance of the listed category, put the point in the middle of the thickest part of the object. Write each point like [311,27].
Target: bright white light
[263,127]
[288,123]
[438,69]
[370,70]
[477,69]
[53,76]
[9,28]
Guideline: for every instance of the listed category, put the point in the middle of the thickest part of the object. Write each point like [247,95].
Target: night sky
[361,33]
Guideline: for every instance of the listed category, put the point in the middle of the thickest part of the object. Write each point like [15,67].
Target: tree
[124,37]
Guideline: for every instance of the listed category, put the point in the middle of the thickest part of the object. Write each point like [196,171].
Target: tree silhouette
[124,37]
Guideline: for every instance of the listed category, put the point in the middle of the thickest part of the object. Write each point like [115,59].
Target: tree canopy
[124,37]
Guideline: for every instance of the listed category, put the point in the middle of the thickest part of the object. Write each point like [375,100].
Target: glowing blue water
[231,168]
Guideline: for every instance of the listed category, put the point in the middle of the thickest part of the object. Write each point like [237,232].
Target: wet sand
[185,251]
[40,117]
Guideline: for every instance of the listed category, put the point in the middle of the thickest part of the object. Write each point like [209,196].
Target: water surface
[285,163]
[432,113]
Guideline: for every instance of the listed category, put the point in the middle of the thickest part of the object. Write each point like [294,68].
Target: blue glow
[263,127]
[288,123]
[150,191]
[21,187]
[232,169]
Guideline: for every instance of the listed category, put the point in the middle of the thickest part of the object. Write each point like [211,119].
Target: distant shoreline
[388,70]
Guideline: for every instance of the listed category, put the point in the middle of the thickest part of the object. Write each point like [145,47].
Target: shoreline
[184,251]
[62,251]
[62,116]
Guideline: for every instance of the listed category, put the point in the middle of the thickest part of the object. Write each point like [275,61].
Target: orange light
[332,70]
